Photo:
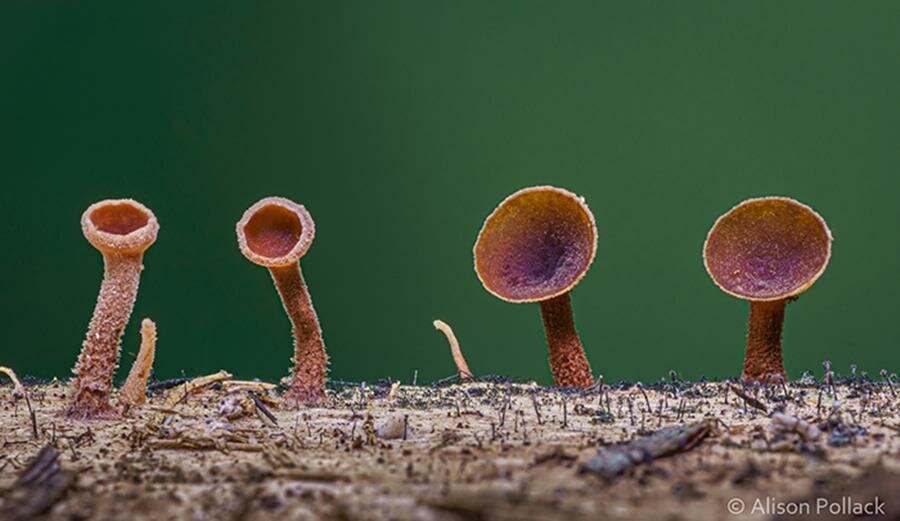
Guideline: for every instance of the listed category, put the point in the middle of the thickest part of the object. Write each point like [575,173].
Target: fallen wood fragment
[261,407]
[613,461]
[40,485]
[167,384]
[180,392]
[783,423]
[245,385]
[204,444]
[749,400]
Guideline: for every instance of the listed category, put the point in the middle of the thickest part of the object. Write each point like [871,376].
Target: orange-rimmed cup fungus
[121,229]
[275,233]
[535,247]
[768,251]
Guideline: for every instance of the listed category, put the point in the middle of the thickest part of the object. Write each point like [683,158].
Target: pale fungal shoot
[392,394]
[122,230]
[134,391]
[461,366]
[18,390]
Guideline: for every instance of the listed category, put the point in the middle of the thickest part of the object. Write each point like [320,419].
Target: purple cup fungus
[275,233]
[768,251]
[535,247]
[121,229]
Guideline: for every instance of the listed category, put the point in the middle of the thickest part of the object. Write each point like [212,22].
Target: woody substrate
[485,449]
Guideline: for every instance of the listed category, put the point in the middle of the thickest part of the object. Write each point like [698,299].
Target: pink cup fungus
[535,247]
[768,251]
[121,229]
[276,233]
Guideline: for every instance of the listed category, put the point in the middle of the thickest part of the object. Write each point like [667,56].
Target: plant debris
[39,486]
[614,461]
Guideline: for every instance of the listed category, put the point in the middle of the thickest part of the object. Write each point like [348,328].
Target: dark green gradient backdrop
[400,125]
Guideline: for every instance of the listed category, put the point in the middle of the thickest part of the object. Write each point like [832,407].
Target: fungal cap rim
[307,233]
[793,293]
[134,241]
[539,188]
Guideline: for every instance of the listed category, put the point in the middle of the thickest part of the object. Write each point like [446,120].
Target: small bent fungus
[535,247]
[768,251]
[134,391]
[121,229]
[275,233]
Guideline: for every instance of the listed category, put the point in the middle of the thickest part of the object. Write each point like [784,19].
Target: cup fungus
[121,229]
[768,251]
[535,247]
[275,233]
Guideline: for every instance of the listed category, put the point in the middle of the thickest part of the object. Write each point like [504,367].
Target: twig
[204,445]
[167,384]
[182,391]
[38,487]
[261,407]
[245,385]
[749,400]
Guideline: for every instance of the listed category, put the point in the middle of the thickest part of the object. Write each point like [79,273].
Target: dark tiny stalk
[34,427]
[673,379]
[537,410]
[887,379]
[646,399]
[261,407]
[829,381]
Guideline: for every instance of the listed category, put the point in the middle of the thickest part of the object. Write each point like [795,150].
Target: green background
[400,125]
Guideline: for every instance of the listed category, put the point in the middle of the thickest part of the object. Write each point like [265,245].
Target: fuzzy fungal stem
[121,230]
[763,353]
[310,361]
[568,363]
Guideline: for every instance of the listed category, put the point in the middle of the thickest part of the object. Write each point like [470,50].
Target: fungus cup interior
[119,218]
[537,244]
[273,231]
[767,249]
